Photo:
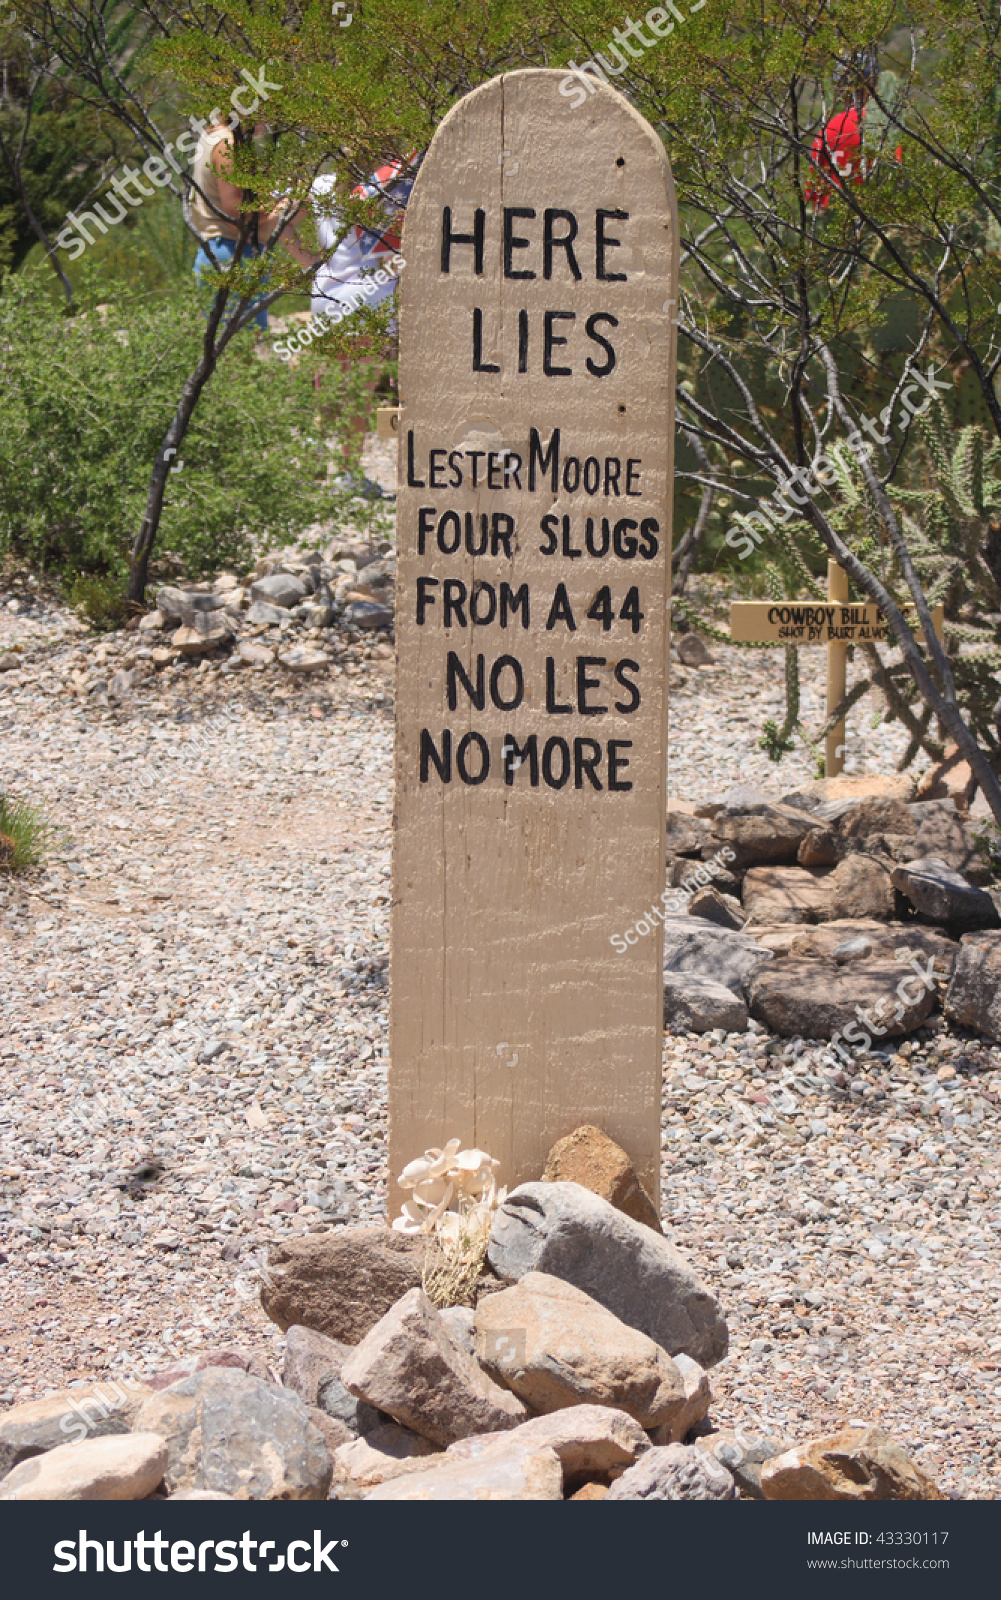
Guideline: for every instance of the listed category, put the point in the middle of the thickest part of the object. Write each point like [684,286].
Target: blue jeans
[224,251]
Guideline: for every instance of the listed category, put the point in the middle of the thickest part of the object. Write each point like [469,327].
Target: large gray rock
[973,998]
[228,1431]
[887,941]
[674,1472]
[942,895]
[816,999]
[262,611]
[127,1467]
[760,834]
[67,1417]
[555,1346]
[686,835]
[409,1366]
[566,1231]
[281,589]
[722,910]
[710,952]
[941,832]
[698,1005]
[313,1371]
[180,605]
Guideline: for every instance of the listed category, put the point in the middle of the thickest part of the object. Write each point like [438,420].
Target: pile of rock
[578,1372]
[881,881]
[298,593]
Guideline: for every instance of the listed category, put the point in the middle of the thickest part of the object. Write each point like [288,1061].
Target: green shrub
[24,834]
[84,406]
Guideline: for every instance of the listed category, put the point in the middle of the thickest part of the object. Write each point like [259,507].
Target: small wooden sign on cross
[836,622]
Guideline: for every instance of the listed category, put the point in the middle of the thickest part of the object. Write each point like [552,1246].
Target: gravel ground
[194,989]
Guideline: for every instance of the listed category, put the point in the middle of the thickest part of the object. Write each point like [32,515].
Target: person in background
[362,269]
[215,211]
[838,150]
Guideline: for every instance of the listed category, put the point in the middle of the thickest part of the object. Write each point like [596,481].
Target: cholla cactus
[440,1179]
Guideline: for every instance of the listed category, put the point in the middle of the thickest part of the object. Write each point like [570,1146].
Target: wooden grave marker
[836,622]
[537,378]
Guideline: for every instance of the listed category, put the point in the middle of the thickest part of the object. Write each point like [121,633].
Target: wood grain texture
[513,1017]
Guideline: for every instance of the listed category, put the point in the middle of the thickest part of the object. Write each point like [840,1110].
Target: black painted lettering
[413,482]
[515,756]
[448,239]
[429,755]
[592,475]
[554,746]
[648,544]
[568,549]
[495,461]
[447,522]
[522,341]
[601,608]
[514,602]
[550,339]
[632,472]
[475,456]
[454,598]
[501,532]
[477,547]
[549,525]
[612,477]
[584,683]
[477,616]
[455,673]
[501,665]
[434,480]
[454,458]
[606,537]
[425,525]
[561,610]
[621,668]
[479,365]
[469,778]
[551,241]
[552,704]
[617,763]
[424,597]
[512,242]
[512,468]
[548,462]
[631,612]
[571,474]
[591,329]
[586,758]
[625,544]
[603,242]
